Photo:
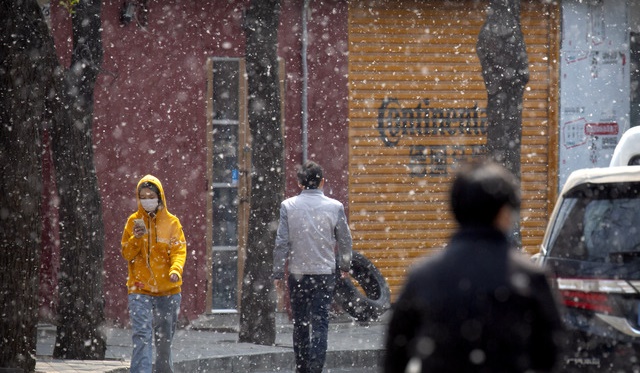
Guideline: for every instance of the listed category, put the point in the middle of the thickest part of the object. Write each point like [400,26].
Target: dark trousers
[311,297]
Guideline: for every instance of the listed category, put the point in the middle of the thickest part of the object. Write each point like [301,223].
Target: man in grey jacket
[311,226]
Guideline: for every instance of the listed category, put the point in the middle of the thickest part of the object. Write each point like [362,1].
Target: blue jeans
[153,318]
[311,297]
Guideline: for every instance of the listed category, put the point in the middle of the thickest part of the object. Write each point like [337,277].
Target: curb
[275,361]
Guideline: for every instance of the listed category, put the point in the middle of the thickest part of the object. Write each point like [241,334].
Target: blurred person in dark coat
[480,305]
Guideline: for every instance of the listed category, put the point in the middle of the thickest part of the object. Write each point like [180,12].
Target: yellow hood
[155,181]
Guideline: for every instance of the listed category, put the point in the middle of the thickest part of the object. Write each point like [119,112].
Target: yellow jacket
[161,252]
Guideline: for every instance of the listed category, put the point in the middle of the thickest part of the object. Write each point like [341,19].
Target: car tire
[377,295]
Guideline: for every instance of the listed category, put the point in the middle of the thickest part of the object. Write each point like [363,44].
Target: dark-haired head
[310,175]
[153,187]
[480,190]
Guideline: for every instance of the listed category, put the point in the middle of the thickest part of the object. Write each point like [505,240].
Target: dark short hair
[310,175]
[152,186]
[480,189]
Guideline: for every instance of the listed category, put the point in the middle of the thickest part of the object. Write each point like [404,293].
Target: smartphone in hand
[140,223]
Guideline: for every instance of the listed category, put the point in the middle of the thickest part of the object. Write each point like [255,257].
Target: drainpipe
[305,77]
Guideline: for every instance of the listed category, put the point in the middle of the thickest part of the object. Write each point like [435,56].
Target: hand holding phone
[139,228]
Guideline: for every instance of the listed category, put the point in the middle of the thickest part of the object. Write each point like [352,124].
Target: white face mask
[149,205]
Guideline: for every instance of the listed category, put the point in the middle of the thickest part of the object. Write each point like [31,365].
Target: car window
[567,239]
[611,226]
[599,223]
[567,206]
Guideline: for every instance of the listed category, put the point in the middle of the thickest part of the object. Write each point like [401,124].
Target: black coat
[479,306]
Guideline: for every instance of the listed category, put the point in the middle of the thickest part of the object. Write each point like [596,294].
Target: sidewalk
[351,344]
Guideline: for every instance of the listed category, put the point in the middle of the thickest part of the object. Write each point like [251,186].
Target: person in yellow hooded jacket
[154,246]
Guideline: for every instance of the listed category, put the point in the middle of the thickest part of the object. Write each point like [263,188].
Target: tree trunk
[25,79]
[505,69]
[257,311]
[81,303]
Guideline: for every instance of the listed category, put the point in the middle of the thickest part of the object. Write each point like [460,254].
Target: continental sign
[396,122]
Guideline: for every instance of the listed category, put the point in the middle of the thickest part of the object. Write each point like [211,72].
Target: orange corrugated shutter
[417,106]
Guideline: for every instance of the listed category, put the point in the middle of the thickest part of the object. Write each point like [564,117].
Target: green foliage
[69,5]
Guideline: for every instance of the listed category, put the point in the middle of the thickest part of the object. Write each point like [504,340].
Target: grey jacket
[311,224]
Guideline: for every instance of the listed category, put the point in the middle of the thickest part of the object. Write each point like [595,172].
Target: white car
[592,249]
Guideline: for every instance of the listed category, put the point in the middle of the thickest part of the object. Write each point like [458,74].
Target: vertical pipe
[305,81]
